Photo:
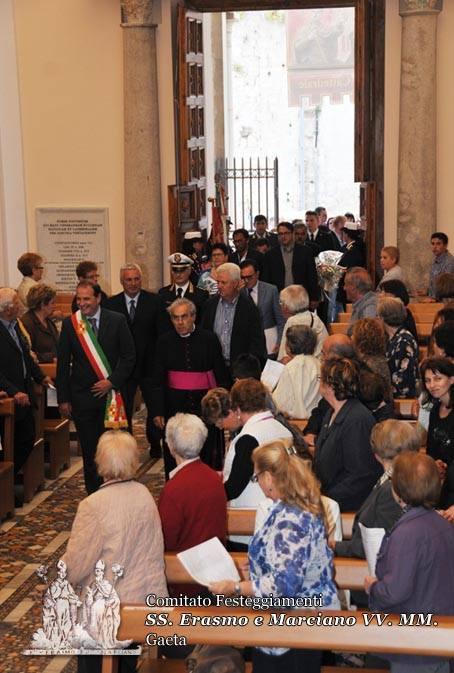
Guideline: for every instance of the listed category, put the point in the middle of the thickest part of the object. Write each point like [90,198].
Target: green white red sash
[115,416]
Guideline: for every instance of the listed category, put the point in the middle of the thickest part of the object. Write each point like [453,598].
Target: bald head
[338,346]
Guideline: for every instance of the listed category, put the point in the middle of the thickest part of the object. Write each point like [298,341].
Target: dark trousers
[293,661]
[154,435]
[90,426]
[24,437]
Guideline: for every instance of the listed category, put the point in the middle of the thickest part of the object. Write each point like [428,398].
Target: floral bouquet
[328,269]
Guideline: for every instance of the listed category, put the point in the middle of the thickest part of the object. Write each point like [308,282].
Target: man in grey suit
[266,298]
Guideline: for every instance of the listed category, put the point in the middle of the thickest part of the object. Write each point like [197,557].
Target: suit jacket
[268,306]
[150,320]
[194,294]
[251,254]
[12,379]
[75,376]
[247,332]
[303,267]
[272,239]
[44,338]
[325,240]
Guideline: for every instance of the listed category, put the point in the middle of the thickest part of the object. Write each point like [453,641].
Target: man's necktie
[92,322]
[132,310]
[179,292]
[14,335]
[250,291]
[312,237]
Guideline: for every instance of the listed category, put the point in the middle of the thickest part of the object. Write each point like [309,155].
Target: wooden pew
[415,639]
[56,434]
[33,469]
[242,522]
[403,408]
[7,465]
[338,328]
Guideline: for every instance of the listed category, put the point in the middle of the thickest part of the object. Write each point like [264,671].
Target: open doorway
[289,95]
[203,115]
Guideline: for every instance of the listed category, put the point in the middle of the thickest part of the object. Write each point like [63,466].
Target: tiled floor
[38,534]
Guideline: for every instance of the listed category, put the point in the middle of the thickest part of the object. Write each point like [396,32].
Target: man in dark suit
[291,264]
[318,238]
[17,372]
[181,286]
[261,233]
[233,317]
[244,249]
[81,392]
[146,317]
[266,298]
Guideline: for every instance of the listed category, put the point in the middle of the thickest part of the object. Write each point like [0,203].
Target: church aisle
[37,535]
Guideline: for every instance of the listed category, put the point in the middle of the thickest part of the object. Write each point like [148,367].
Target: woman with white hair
[119,524]
[193,504]
[294,301]
[297,392]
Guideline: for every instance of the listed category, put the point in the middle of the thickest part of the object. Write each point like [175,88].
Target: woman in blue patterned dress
[289,555]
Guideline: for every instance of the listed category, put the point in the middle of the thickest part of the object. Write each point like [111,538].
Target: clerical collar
[185,336]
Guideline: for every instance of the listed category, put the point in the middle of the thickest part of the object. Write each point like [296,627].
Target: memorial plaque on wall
[66,236]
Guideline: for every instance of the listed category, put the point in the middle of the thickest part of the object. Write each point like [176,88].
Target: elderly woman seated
[402,349]
[414,565]
[297,392]
[343,460]
[118,524]
[294,302]
[40,328]
[193,504]
[380,510]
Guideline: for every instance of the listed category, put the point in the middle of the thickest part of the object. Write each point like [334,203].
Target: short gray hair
[181,301]
[301,339]
[117,455]
[185,435]
[129,267]
[7,295]
[295,298]
[360,278]
[233,270]
[392,311]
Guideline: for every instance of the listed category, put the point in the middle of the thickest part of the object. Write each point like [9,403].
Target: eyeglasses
[255,477]
[39,267]
[248,277]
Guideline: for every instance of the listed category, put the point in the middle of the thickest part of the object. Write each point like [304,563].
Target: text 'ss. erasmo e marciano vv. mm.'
[311,619]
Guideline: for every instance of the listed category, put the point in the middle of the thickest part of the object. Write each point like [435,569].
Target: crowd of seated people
[345,387]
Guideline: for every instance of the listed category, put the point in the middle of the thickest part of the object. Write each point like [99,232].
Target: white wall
[13,216]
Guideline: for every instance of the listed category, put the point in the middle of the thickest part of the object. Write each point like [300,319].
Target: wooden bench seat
[242,522]
[179,666]
[7,464]
[56,436]
[33,469]
[416,639]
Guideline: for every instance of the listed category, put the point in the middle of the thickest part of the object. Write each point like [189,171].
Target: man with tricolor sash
[96,357]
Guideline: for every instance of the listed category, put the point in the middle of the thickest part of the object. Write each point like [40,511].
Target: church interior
[90,119]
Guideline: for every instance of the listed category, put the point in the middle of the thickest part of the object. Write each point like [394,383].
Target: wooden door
[188,197]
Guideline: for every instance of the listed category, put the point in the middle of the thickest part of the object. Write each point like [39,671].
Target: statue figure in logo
[102,605]
[60,609]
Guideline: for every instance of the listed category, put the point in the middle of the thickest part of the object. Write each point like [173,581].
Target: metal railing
[252,189]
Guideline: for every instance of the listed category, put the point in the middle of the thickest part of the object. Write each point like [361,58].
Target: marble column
[143,214]
[417,204]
